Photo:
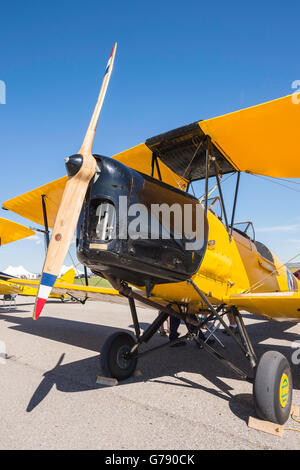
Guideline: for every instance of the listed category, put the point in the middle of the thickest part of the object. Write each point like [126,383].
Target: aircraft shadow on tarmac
[81,375]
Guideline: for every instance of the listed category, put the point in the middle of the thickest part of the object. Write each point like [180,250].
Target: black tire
[273,388]
[112,360]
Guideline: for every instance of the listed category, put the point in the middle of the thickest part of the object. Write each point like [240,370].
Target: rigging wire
[214,187]
[75,267]
[191,161]
[193,189]
[260,283]
[270,179]
[281,179]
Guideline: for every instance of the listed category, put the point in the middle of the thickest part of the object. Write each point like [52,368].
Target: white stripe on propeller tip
[71,203]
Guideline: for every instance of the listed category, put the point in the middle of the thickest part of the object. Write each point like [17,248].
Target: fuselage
[221,264]
[229,267]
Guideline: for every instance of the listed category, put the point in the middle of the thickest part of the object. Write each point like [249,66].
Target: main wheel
[273,388]
[113,359]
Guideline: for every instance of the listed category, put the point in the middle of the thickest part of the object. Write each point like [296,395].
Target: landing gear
[272,388]
[115,361]
[271,375]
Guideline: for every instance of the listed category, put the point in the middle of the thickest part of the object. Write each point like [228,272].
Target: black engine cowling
[122,231]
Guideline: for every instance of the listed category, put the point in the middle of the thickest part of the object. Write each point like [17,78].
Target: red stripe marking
[112,52]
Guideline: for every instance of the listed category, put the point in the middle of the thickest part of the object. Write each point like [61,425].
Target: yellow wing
[64,286]
[253,140]
[7,288]
[140,158]
[283,306]
[29,205]
[263,139]
[29,286]
[105,294]
[11,231]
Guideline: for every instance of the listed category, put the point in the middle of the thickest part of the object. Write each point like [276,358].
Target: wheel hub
[122,357]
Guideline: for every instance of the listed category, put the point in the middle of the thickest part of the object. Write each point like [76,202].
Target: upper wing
[252,140]
[283,306]
[263,139]
[11,231]
[29,205]
[140,158]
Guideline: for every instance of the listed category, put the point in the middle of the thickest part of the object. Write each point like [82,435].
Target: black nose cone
[73,164]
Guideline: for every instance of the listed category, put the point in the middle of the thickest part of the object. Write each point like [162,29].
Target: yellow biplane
[191,263]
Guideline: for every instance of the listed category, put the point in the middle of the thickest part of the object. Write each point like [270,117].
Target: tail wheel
[114,358]
[273,388]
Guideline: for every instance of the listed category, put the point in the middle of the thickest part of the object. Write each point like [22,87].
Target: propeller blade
[81,169]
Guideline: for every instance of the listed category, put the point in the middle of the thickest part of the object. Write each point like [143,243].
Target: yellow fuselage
[229,267]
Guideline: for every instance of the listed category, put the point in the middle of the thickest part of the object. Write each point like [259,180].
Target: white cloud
[35,238]
[279,228]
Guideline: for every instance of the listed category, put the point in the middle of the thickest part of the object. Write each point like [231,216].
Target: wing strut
[46,226]
[234,203]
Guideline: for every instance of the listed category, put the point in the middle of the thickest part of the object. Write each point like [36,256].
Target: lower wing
[8,288]
[29,286]
[105,294]
[283,306]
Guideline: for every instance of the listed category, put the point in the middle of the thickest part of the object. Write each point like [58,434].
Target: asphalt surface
[183,398]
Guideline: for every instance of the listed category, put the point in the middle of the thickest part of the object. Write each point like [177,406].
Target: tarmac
[182,399]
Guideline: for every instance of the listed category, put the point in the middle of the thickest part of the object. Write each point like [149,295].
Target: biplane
[29,287]
[212,269]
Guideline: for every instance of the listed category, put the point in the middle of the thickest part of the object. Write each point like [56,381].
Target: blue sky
[177,62]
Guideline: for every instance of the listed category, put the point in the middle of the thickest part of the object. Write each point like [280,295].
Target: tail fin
[68,277]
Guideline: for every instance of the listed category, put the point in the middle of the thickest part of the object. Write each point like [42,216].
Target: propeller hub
[73,164]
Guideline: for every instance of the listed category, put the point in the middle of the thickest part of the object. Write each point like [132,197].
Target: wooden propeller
[82,168]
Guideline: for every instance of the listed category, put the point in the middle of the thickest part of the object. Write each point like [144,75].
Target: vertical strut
[207,174]
[244,335]
[234,203]
[134,317]
[221,195]
[46,231]
[85,275]
[157,168]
